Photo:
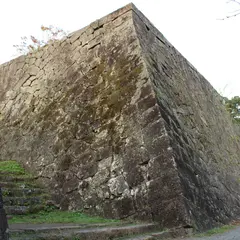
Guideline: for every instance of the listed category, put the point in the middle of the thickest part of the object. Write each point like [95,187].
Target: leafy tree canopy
[233,107]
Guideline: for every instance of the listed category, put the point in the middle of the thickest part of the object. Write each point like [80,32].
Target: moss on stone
[11,167]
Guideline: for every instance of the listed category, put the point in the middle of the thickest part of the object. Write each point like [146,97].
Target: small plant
[31,44]
[11,167]
[6,193]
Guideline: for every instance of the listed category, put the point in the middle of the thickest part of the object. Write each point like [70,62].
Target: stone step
[46,227]
[24,201]
[21,192]
[42,232]
[21,210]
[20,185]
[16,178]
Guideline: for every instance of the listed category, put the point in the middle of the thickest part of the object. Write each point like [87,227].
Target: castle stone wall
[81,113]
[117,123]
[204,140]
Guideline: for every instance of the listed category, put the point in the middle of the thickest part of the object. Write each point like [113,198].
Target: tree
[233,107]
[235,12]
[31,44]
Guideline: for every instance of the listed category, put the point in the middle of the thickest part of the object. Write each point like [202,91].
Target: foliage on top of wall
[233,107]
[31,44]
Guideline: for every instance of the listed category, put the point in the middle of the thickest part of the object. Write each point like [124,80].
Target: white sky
[211,45]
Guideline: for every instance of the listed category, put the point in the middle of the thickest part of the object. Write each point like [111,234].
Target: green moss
[12,167]
[49,109]
[58,217]
[114,93]
[118,88]
[6,193]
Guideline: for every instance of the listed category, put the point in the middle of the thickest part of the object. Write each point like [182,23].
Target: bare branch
[230,16]
[233,13]
[234,1]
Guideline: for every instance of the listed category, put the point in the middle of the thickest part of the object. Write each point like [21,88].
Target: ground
[233,234]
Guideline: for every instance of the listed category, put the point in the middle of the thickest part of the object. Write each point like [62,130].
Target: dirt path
[231,235]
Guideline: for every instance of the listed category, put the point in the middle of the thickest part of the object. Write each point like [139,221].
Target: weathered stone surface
[3,220]
[118,123]
[200,134]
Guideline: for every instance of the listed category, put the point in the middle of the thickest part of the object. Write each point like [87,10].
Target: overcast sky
[192,26]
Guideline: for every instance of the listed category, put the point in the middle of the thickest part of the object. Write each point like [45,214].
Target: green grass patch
[214,231]
[59,217]
[12,167]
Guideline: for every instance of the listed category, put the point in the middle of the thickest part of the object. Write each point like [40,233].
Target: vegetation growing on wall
[11,167]
[233,107]
[30,44]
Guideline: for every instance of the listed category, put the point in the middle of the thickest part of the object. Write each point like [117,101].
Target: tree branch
[230,16]
[234,13]
[234,1]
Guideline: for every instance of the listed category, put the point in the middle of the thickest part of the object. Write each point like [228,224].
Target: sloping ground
[106,231]
[230,235]
[88,232]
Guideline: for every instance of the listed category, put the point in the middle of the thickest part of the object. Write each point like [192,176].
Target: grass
[11,167]
[59,217]
[214,231]
[48,215]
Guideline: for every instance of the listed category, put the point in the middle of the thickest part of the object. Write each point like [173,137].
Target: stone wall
[81,113]
[204,140]
[116,122]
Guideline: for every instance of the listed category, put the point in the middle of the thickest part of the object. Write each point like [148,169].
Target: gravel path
[231,235]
